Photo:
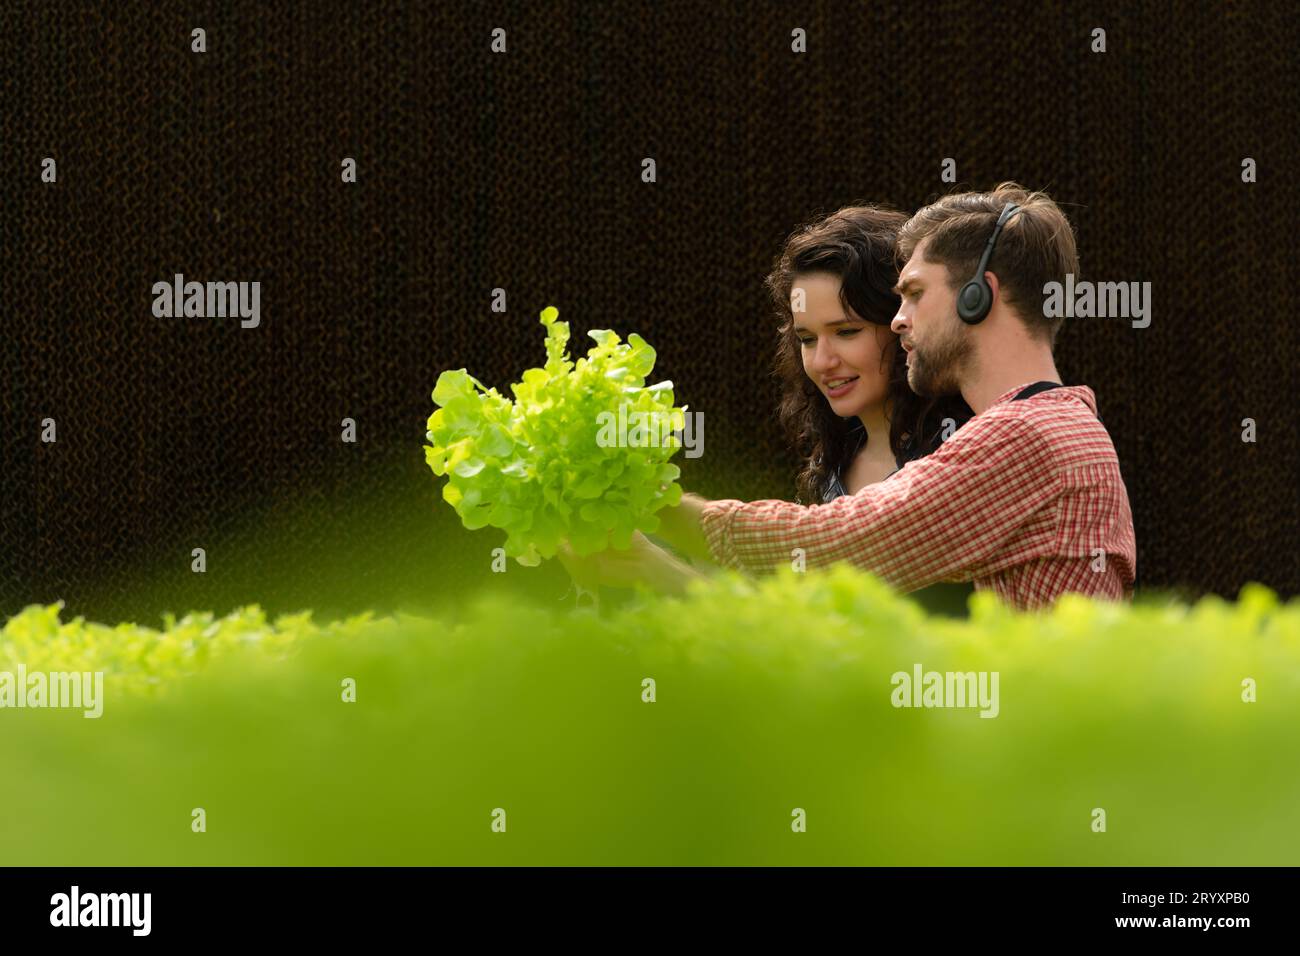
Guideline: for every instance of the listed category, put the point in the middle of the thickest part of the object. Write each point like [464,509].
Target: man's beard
[935,374]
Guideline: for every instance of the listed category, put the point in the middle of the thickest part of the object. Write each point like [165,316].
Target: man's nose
[900,323]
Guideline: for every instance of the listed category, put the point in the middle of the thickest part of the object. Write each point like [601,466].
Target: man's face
[938,344]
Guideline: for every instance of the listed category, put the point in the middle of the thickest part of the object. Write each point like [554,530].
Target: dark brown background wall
[522,171]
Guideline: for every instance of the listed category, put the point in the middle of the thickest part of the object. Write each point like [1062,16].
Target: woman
[846,407]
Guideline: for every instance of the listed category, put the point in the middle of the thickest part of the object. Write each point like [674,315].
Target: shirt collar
[1080,393]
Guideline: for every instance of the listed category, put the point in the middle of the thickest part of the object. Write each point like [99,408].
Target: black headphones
[976,298]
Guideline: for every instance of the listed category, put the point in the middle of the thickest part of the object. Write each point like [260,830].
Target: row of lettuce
[748,722]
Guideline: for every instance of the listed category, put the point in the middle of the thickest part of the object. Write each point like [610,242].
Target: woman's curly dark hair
[857,245]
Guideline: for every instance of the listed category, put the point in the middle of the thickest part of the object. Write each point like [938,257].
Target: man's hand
[642,563]
[680,527]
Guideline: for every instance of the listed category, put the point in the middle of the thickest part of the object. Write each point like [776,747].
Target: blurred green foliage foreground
[773,702]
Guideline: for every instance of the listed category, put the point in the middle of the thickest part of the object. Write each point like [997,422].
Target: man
[1025,499]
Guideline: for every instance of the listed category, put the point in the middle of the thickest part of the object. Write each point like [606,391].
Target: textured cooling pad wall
[522,171]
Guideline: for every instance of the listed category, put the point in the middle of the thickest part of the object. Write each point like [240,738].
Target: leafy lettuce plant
[140,659]
[581,453]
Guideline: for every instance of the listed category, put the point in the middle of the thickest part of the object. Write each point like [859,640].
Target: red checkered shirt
[1021,500]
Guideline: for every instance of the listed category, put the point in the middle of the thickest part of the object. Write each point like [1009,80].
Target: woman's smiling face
[837,345]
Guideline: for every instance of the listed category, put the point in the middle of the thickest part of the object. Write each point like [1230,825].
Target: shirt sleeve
[942,517]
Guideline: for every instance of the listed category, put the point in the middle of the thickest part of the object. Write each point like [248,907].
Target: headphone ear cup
[973,301]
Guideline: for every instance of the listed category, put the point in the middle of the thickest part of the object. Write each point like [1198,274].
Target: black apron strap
[1034,389]
[1037,387]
